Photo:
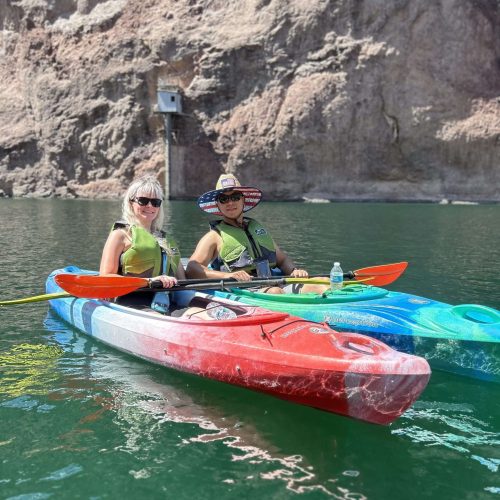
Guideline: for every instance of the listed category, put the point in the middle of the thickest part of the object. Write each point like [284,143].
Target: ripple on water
[29,369]
[493,489]
[27,403]
[453,427]
[247,448]
[31,496]
[63,473]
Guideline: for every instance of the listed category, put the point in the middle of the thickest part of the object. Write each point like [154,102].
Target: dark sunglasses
[143,201]
[224,198]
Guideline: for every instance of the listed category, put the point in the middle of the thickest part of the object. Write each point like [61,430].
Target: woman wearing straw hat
[236,246]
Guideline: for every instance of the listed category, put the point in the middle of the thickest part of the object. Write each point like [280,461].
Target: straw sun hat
[228,182]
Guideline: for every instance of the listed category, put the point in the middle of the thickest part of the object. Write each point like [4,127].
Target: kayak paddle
[115,286]
[90,292]
[103,287]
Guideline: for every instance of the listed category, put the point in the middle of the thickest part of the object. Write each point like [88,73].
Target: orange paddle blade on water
[99,287]
[381,275]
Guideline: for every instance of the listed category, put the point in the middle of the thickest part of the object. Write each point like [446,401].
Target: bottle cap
[336,263]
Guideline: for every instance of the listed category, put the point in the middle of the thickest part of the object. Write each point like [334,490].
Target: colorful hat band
[208,201]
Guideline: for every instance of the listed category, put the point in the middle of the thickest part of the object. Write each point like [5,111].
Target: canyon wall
[345,99]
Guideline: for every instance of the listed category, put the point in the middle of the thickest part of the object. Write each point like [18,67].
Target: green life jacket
[241,246]
[148,255]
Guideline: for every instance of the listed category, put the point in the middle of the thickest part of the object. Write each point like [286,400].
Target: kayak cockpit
[349,293]
[203,308]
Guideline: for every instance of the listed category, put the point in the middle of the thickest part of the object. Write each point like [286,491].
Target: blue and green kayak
[462,339]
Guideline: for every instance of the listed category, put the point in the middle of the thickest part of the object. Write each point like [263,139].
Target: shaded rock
[310,100]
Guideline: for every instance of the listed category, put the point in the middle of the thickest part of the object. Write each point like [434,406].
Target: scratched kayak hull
[462,339]
[274,353]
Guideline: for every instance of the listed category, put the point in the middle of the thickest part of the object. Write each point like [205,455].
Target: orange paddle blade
[99,287]
[382,275]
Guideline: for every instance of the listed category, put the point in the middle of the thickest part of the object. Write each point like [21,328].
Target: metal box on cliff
[169,101]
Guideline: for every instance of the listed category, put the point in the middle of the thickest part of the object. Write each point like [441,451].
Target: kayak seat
[477,314]
[196,302]
[178,308]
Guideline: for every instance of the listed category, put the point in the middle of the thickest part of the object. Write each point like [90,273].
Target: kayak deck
[463,339]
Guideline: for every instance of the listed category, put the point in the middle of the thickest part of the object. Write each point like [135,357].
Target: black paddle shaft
[214,285]
[204,284]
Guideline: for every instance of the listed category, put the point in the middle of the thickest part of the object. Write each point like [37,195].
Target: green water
[80,420]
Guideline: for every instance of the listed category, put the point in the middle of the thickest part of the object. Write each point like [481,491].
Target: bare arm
[180,273]
[285,263]
[206,251]
[113,248]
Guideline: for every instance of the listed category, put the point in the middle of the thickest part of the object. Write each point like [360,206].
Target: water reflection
[28,369]
[92,412]
[145,408]
[107,410]
[454,423]
[455,427]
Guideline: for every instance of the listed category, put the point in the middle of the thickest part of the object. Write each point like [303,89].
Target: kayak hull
[274,353]
[462,339]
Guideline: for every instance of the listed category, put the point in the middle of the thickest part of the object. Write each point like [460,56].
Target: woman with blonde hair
[137,245]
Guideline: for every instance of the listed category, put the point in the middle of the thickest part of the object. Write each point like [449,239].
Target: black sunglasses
[143,201]
[224,198]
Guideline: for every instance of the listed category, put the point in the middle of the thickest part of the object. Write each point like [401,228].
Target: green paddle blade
[35,298]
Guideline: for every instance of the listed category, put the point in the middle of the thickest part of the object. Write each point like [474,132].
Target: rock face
[341,99]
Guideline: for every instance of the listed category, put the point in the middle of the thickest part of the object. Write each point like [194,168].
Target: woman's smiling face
[146,214]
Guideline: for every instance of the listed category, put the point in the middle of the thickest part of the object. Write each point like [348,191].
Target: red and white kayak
[282,355]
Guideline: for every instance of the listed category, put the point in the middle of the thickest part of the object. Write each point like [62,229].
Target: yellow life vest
[149,255]
[242,246]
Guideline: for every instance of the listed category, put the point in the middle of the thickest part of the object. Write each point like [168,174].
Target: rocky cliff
[337,99]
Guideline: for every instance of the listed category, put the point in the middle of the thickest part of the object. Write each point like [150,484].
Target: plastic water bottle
[336,277]
[218,311]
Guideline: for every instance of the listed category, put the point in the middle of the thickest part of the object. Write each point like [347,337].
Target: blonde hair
[144,186]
